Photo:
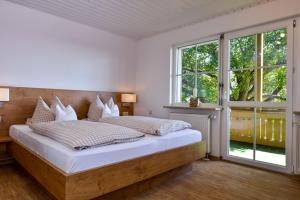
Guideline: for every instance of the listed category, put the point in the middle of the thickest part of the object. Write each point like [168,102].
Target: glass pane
[275,47]
[187,85]
[187,63]
[242,52]
[242,85]
[241,132]
[208,57]
[270,136]
[207,87]
[274,84]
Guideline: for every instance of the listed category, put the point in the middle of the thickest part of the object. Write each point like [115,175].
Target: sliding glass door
[257,96]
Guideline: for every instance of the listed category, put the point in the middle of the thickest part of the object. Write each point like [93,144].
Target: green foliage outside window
[200,68]
[243,60]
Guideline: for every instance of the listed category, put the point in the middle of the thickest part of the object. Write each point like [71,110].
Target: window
[257,69]
[197,72]
[258,121]
[261,57]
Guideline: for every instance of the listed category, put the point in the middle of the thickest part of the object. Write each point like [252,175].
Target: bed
[67,174]
[71,161]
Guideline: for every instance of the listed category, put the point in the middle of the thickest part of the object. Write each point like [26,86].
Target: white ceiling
[138,18]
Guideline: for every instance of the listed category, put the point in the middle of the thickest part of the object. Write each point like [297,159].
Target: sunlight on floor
[267,157]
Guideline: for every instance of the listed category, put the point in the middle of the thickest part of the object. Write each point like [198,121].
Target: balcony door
[257,96]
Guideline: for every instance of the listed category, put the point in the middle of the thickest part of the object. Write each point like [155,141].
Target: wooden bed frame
[99,181]
[94,182]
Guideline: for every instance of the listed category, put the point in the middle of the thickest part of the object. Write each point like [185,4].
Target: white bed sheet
[72,161]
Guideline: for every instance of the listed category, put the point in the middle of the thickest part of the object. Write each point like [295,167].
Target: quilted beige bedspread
[84,134]
[150,125]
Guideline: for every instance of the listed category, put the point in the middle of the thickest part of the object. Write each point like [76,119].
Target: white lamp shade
[128,98]
[4,94]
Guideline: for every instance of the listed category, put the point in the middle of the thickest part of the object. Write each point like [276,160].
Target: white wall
[41,50]
[153,61]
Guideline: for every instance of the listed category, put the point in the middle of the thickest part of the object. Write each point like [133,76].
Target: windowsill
[201,107]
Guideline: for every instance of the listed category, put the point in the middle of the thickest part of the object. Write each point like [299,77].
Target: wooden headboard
[23,101]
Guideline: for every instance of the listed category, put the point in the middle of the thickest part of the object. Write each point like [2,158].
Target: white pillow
[67,114]
[110,103]
[95,110]
[107,112]
[115,111]
[56,101]
[113,107]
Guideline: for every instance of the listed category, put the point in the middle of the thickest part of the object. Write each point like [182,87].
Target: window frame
[174,68]
[255,66]
[288,105]
[226,68]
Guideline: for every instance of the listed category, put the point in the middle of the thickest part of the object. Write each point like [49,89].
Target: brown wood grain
[142,186]
[5,139]
[5,157]
[209,180]
[23,101]
[52,178]
[100,181]
[103,180]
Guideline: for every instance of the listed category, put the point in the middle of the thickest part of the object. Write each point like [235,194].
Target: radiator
[198,122]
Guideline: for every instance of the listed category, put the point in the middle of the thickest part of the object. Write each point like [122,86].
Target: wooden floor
[209,180]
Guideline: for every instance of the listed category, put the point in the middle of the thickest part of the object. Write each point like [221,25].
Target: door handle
[225,95]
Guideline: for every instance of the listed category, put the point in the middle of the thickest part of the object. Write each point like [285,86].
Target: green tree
[242,61]
[200,62]
[200,65]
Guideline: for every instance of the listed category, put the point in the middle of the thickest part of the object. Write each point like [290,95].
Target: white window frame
[288,105]
[175,62]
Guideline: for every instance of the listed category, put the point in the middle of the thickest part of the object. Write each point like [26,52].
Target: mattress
[72,161]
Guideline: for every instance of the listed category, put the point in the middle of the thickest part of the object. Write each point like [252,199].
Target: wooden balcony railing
[270,127]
